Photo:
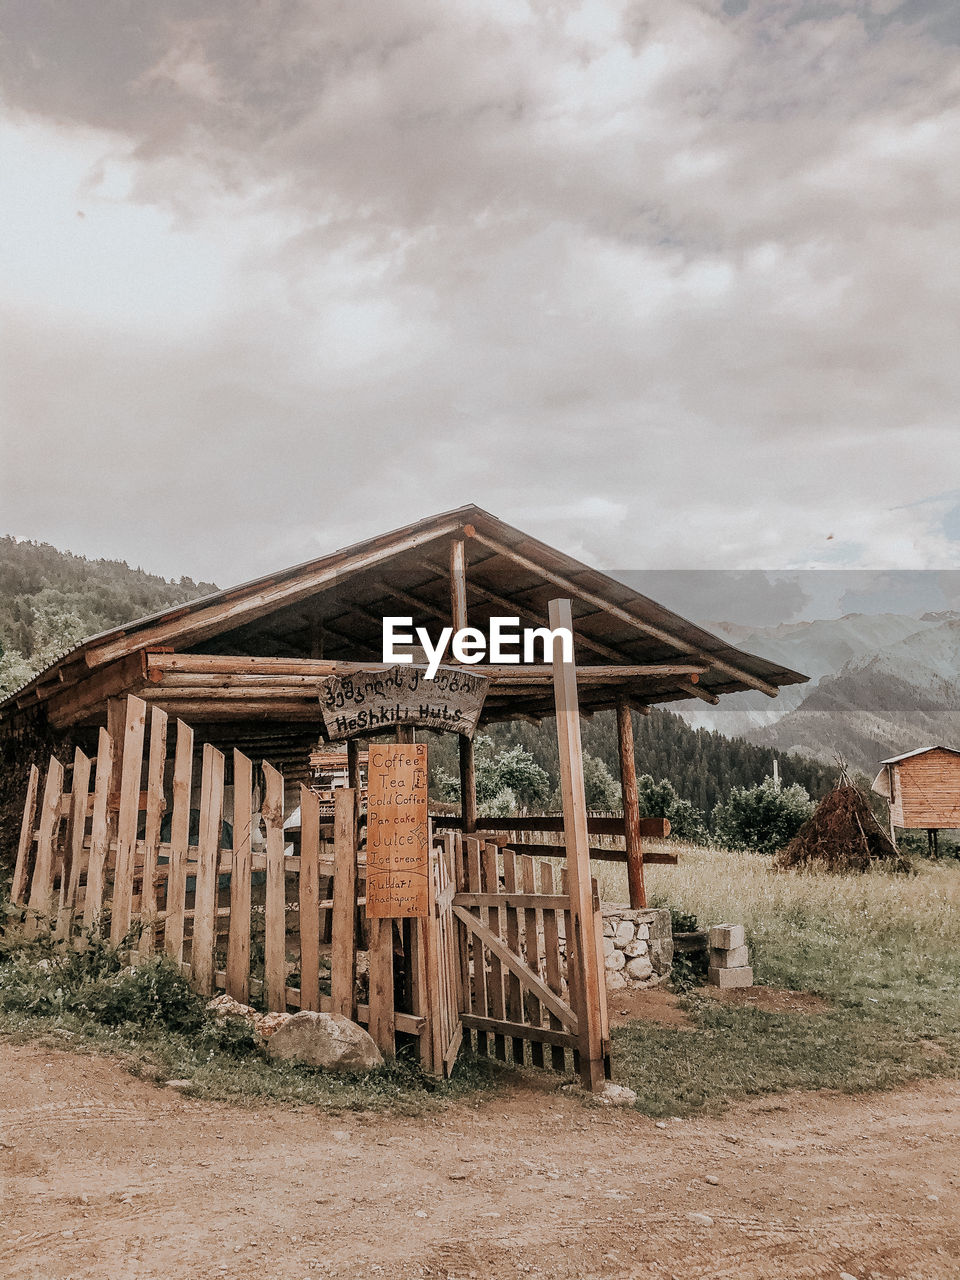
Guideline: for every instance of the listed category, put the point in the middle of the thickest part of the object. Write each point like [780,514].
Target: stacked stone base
[637,947]
[729,957]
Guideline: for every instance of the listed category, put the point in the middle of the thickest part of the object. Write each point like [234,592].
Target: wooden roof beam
[511,607]
[568,586]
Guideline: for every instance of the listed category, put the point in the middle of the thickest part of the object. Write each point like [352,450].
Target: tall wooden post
[458,614]
[631,805]
[592,992]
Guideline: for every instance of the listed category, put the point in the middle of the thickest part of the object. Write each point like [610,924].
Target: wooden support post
[593,994]
[631,806]
[468,785]
[353,767]
[458,616]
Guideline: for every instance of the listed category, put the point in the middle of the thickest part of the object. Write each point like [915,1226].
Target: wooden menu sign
[379,701]
[398,833]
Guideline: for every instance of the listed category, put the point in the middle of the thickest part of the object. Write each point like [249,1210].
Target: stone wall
[637,946]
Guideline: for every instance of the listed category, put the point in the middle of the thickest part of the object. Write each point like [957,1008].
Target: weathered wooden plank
[41,886]
[496,1005]
[514,1008]
[21,868]
[308,890]
[99,832]
[551,952]
[238,941]
[537,1035]
[343,947]
[478,987]
[208,855]
[598,824]
[531,952]
[551,902]
[155,808]
[382,1024]
[73,847]
[275,927]
[135,721]
[179,842]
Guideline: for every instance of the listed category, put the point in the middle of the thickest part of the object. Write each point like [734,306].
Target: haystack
[842,835]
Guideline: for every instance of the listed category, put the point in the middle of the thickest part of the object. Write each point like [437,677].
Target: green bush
[762,818]
[659,799]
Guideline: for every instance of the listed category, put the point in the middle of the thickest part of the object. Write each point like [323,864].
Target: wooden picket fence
[137,848]
[141,858]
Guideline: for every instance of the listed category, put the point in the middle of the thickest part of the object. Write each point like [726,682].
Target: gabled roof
[344,595]
[920,751]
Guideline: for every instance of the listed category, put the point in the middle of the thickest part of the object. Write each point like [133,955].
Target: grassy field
[882,949]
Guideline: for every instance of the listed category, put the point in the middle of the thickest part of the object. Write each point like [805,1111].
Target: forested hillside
[701,764]
[50,600]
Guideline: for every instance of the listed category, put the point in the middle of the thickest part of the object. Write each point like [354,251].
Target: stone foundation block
[737,958]
[742,977]
[615,960]
[724,937]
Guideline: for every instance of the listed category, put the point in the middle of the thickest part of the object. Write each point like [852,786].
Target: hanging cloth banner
[398,831]
[380,701]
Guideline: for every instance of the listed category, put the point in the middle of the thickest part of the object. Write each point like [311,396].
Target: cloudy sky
[670,283]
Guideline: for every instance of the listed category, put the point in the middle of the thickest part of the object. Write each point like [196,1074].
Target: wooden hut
[243,665]
[922,788]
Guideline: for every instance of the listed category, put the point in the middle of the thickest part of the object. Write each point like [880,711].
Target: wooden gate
[517,955]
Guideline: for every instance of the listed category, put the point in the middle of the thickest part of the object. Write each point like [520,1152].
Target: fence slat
[21,868]
[382,1025]
[309,896]
[514,993]
[343,952]
[495,1002]
[531,951]
[41,887]
[275,918]
[208,857]
[73,848]
[179,842]
[156,762]
[131,768]
[479,977]
[99,832]
[238,942]
[551,948]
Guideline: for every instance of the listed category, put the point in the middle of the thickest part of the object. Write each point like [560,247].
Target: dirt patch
[656,1005]
[769,999]
[136,1182]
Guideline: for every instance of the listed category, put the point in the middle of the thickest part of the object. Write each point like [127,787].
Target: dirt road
[102,1175]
